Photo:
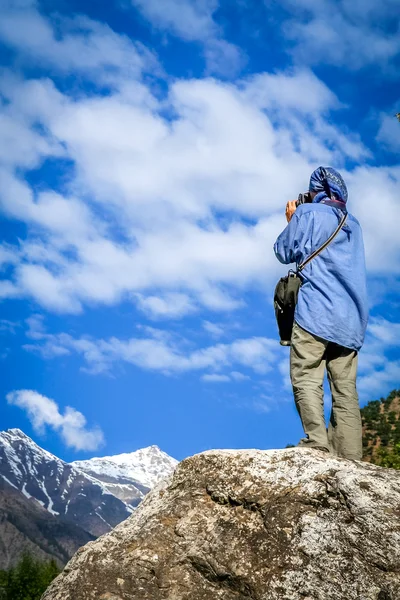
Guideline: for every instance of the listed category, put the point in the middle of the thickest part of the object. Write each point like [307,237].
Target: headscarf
[330,187]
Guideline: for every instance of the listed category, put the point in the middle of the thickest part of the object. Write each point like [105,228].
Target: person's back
[333,298]
[331,314]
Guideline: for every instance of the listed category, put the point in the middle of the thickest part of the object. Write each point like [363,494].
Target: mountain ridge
[130,476]
[61,500]
[61,489]
[25,526]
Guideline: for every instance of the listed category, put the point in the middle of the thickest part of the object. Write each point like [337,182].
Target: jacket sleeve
[289,247]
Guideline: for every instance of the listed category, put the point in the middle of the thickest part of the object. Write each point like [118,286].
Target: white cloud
[348,33]
[170,306]
[265,403]
[8,290]
[159,184]
[214,329]
[35,327]
[389,131]
[193,20]
[78,44]
[257,353]
[284,370]
[21,145]
[215,378]
[189,19]
[155,350]
[373,194]
[8,256]
[174,201]
[379,382]
[384,331]
[379,370]
[44,412]
[237,376]
[7,326]
[283,91]
[139,213]
[371,357]
[224,58]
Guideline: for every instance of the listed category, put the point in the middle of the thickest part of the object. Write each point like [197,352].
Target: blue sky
[147,151]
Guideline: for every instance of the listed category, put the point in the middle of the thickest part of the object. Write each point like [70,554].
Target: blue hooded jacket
[332,301]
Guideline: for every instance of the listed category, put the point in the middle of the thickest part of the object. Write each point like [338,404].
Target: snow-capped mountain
[25,526]
[130,476]
[63,490]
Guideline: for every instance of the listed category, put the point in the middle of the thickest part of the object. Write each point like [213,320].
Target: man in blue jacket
[331,314]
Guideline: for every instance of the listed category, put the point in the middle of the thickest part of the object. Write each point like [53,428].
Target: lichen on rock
[294,524]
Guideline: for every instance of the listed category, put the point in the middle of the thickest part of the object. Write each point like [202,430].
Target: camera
[303,199]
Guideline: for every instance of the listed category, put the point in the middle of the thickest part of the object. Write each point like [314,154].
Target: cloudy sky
[147,151]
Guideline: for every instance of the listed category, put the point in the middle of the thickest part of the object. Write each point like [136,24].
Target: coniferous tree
[381,430]
[28,580]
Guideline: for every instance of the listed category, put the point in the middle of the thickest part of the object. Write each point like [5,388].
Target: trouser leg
[345,428]
[307,365]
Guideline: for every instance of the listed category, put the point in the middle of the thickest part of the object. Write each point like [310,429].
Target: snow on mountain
[63,490]
[130,476]
[27,527]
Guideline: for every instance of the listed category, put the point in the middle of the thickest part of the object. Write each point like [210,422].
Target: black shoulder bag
[287,291]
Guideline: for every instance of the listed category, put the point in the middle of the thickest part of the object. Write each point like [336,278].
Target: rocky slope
[291,524]
[61,489]
[25,526]
[130,476]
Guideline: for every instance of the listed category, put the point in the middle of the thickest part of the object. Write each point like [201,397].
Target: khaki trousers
[309,355]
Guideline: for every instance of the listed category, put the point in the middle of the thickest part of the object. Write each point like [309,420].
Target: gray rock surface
[292,524]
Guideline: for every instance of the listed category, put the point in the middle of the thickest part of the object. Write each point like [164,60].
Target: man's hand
[290,209]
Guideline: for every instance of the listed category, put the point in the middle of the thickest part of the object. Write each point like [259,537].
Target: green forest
[381,431]
[28,580]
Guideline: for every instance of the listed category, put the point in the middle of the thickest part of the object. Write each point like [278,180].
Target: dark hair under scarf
[330,187]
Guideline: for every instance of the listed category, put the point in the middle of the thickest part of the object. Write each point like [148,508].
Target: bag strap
[324,245]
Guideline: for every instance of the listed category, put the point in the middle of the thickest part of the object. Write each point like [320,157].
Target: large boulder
[293,524]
